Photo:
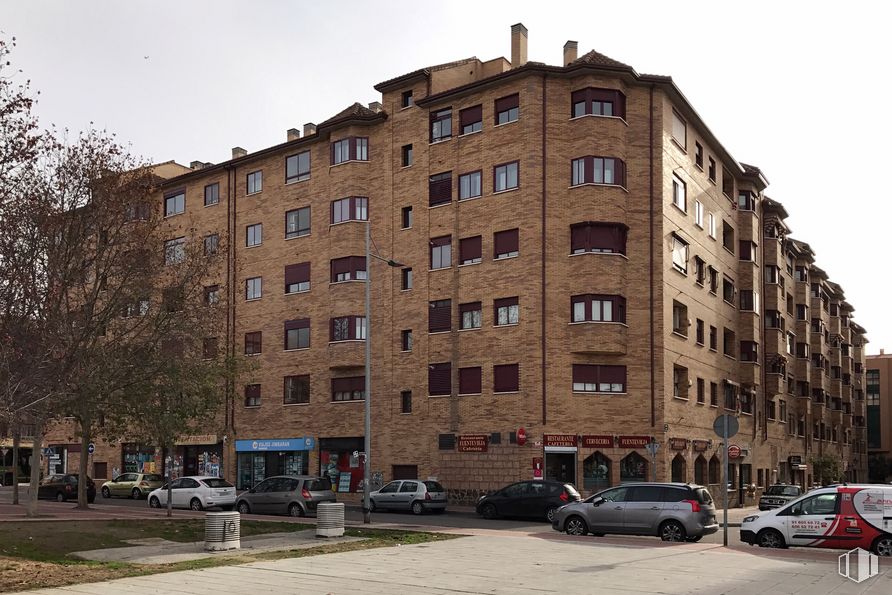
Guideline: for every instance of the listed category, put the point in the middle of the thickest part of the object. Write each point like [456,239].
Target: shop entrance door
[561,466]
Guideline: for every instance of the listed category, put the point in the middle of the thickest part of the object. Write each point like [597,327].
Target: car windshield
[215,482]
[151,478]
[782,491]
[433,486]
[319,484]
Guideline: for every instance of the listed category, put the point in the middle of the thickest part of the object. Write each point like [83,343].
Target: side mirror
[597,501]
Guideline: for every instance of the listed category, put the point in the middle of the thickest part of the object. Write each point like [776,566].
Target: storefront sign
[701,445]
[597,441]
[197,440]
[795,459]
[633,441]
[473,443]
[521,436]
[537,467]
[565,440]
[678,443]
[275,445]
[733,451]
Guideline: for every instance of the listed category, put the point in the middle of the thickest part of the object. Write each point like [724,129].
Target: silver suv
[673,511]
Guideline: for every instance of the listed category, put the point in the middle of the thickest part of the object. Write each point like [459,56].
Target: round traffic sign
[733,451]
[90,448]
[719,425]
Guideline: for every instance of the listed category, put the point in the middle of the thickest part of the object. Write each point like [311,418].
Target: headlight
[750,519]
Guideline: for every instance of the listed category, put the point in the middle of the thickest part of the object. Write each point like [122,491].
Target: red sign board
[733,451]
[633,441]
[537,467]
[473,443]
[597,441]
[521,436]
[560,440]
[701,445]
[678,443]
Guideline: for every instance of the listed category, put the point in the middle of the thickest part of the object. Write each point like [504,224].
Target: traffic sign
[719,425]
[652,448]
[90,448]
[733,451]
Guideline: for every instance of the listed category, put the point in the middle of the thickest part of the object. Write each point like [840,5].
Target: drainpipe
[543,243]
[653,393]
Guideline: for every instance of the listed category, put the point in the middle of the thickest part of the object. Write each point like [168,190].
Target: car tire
[295,510]
[672,531]
[244,507]
[154,502]
[106,493]
[488,511]
[417,507]
[60,497]
[195,504]
[770,538]
[882,545]
[576,525]
[372,506]
[135,494]
[549,513]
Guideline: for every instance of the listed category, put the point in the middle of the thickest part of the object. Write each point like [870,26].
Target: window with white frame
[254,235]
[174,251]
[679,193]
[505,176]
[679,254]
[253,288]
[711,220]
[698,214]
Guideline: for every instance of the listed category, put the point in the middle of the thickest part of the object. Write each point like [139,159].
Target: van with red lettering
[841,516]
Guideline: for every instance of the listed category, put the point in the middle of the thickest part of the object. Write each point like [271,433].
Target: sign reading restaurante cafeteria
[275,445]
[560,440]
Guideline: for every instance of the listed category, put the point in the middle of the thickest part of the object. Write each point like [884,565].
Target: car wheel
[576,526]
[243,507]
[295,510]
[883,545]
[154,502]
[695,539]
[672,531]
[549,513]
[770,538]
[372,506]
[488,511]
[195,504]
[106,493]
[136,494]
[60,497]
[417,507]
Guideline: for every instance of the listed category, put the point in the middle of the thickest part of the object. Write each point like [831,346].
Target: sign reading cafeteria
[560,440]
[473,443]
[633,441]
[597,441]
[275,445]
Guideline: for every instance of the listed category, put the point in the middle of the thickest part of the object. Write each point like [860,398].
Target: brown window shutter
[619,172]
[441,241]
[440,316]
[576,97]
[585,373]
[506,103]
[506,378]
[470,381]
[440,189]
[579,236]
[470,115]
[471,248]
[503,302]
[612,374]
[299,323]
[297,273]
[439,379]
[506,241]
[469,307]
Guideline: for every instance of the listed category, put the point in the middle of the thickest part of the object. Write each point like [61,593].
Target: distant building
[879,415]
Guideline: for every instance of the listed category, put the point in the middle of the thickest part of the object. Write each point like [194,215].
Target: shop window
[633,467]
[338,463]
[700,470]
[596,472]
[679,468]
[715,470]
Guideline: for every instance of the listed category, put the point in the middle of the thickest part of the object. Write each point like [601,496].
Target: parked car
[410,494]
[538,499]
[294,495]
[778,495]
[132,485]
[197,493]
[673,511]
[63,486]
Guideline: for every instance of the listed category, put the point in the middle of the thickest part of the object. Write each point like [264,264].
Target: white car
[197,493]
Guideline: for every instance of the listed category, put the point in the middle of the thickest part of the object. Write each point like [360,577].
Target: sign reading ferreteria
[678,443]
[597,441]
[473,443]
[560,440]
[701,445]
[633,441]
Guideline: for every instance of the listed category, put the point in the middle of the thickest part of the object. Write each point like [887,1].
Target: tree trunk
[31,510]
[167,470]
[16,437]
[86,427]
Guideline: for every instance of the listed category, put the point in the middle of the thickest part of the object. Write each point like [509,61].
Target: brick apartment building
[584,269]
[879,419]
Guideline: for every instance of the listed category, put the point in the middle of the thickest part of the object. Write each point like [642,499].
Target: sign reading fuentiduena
[275,444]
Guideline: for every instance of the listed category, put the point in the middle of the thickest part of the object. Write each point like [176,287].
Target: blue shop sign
[275,444]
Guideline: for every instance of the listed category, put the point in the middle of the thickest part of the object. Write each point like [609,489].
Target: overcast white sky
[799,89]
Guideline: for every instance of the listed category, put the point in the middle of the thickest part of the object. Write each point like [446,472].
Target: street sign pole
[725,486]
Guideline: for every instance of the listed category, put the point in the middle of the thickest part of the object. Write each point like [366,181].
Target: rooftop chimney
[570,52]
[293,134]
[196,165]
[518,45]
[238,152]
[376,106]
[882,352]
[309,128]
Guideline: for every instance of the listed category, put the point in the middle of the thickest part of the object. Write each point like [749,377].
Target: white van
[842,516]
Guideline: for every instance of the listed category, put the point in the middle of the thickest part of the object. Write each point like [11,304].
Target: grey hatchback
[410,494]
[673,511]
[294,495]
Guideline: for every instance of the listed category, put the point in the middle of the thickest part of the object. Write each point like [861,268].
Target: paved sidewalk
[496,565]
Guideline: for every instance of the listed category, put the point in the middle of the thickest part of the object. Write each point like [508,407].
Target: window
[597,102]
[254,182]
[471,119]
[347,328]
[802,350]
[701,332]
[354,148]
[713,338]
[505,176]
[698,214]
[254,235]
[407,155]
[297,223]
[749,300]
[174,204]
[406,401]
[441,252]
[439,316]
[699,270]
[175,251]
[297,334]
[506,244]
[801,274]
[470,250]
[297,277]
[713,394]
[406,99]
[728,237]
[599,378]
[252,395]
[211,194]
[680,318]
[209,348]
[711,169]
[698,155]
[470,185]
[746,201]
[749,351]
[354,208]
[211,244]
[505,378]
[471,315]
[597,308]
[701,391]
[748,250]
[772,274]
[348,268]
[211,295]
[406,278]
[679,382]
[730,391]
[439,379]
[253,288]
[469,381]
[679,193]
[679,130]
[729,342]
[507,311]
[441,125]
[297,167]
[348,389]
[406,218]
[406,340]
[297,390]
[713,279]
[727,183]
[440,189]
[598,237]
[712,227]
[728,290]
[253,343]
[507,109]
[597,170]
[679,254]
[172,299]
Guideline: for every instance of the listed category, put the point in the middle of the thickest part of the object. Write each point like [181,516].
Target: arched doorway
[715,471]
[596,472]
[679,468]
[633,467]
[700,470]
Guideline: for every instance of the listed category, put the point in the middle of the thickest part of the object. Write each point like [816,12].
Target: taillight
[305,493]
[565,497]
[695,506]
[427,495]
[67,487]
[143,484]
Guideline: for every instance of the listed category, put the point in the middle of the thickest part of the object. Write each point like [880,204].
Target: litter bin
[222,531]
[330,519]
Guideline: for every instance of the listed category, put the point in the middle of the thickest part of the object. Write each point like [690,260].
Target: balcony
[606,338]
[346,354]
